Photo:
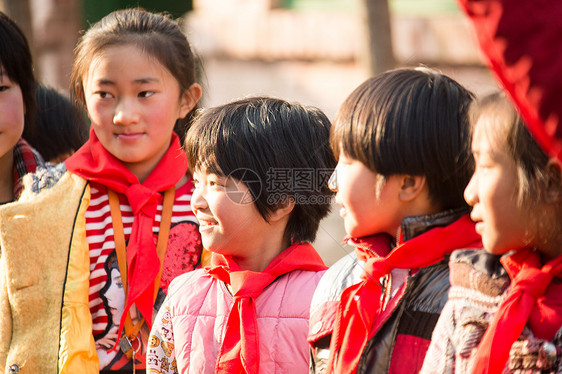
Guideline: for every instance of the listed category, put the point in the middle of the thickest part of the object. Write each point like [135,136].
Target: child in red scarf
[125,196]
[404,160]
[504,313]
[260,166]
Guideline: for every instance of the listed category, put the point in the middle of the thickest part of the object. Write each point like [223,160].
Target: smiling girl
[125,194]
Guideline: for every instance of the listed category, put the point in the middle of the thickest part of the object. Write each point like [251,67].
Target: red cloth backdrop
[522,41]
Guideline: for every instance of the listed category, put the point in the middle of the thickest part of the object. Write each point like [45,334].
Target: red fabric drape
[522,42]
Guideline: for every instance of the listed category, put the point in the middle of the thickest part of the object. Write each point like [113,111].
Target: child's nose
[125,113]
[470,193]
[198,201]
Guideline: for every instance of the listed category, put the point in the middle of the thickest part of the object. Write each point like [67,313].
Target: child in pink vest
[260,167]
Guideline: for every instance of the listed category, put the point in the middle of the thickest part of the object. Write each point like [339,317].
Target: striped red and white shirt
[106,294]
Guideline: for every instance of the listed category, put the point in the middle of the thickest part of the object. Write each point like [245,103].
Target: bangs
[219,148]
[409,121]
[200,146]
[357,128]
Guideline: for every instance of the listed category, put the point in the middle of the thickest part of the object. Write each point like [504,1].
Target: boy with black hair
[402,139]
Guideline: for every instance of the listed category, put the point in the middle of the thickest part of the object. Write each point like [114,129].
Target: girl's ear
[189,99]
[411,186]
[283,209]
[554,187]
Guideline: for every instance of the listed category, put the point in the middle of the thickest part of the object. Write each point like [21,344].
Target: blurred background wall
[312,51]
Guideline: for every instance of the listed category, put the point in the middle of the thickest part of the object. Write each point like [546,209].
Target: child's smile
[205,223]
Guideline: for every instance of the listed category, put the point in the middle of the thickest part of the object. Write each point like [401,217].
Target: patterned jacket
[404,329]
[479,284]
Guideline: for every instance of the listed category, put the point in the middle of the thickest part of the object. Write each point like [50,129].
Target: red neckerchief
[240,352]
[94,163]
[360,304]
[529,283]
[24,162]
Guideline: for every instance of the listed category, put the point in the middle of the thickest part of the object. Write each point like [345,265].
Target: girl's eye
[4,88]
[104,95]
[146,93]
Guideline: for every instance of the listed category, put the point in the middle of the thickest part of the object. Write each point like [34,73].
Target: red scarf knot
[239,352]
[360,304]
[532,281]
[250,289]
[142,199]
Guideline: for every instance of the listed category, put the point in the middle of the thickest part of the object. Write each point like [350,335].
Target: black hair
[280,150]
[60,127]
[412,121]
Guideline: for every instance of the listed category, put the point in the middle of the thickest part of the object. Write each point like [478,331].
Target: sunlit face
[12,110]
[368,204]
[492,192]
[133,102]
[230,223]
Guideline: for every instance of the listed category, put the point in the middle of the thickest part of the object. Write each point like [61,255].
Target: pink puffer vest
[200,305]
